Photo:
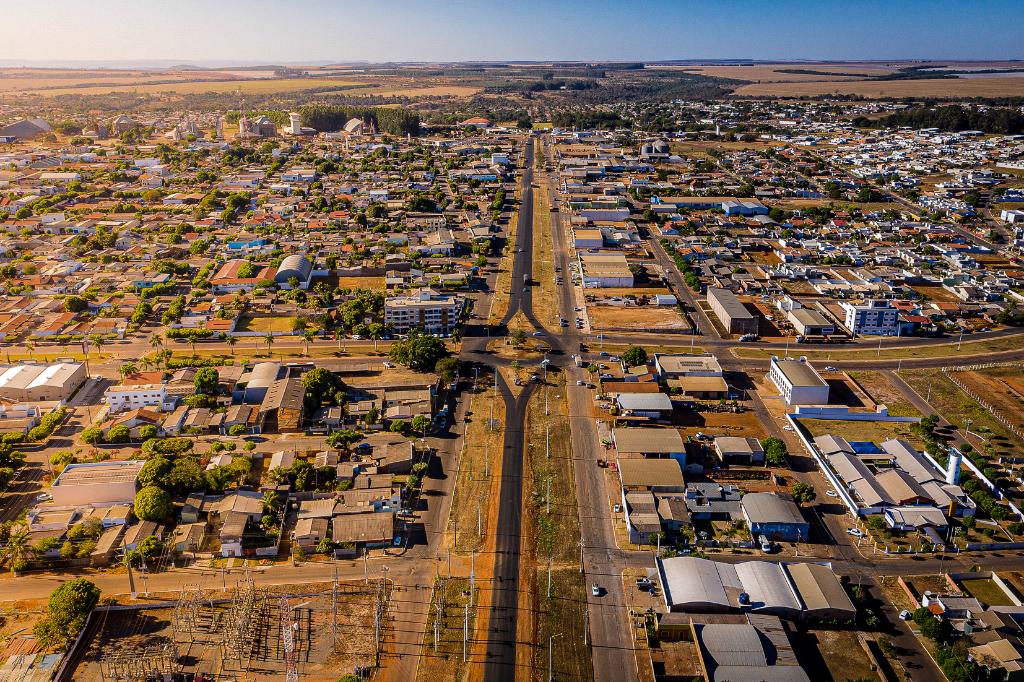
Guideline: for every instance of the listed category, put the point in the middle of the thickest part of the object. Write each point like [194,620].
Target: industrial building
[605,270]
[294,266]
[704,586]
[774,517]
[94,483]
[696,376]
[797,381]
[29,382]
[731,312]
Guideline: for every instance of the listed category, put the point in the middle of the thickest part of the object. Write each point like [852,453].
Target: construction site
[315,632]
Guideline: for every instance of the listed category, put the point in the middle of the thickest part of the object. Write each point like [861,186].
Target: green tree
[775,451]
[61,459]
[147,431]
[803,493]
[66,613]
[635,356]
[152,504]
[419,351]
[154,472]
[92,435]
[206,380]
[420,424]
[75,304]
[447,368]
[118,434]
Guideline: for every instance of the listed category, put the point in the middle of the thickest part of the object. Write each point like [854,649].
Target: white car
[832,493]
[44,497]
[906,615]
[830,368]
[389,365]
[595,590]
[787,427]
[580,382]
[855,532]
[617,508]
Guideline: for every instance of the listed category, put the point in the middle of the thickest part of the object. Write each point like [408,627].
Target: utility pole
[334,606]
[131,577]
[551,661]
[366,568]
[586,626]
[472,575]
[465,633]
[548,498]
[581,555]
[549,577]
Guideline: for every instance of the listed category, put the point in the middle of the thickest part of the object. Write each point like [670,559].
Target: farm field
[777,72]
[1005,86]
[262,86]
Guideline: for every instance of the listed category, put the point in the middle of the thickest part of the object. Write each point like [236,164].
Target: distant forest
[331,117]
[950,119]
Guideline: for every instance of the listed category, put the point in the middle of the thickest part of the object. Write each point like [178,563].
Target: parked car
[830,368]
[595,590]
[617,508]
[906,615]
[580,382]
[855,532]
[832,493]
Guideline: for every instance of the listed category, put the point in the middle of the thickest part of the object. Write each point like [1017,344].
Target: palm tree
[269,340]
[156,341]
[29,346]
[126,368]
[270,500]
[231,340]
[18,547]
[307,338]
[98,341]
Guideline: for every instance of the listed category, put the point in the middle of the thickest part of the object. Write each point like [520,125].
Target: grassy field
[884,393]
[774,73]
[866,352]
[985,590]
[473,490]
[561,616]
[545,297]
[266,324]
[503,282]
[956,406]
[843,655]
[445,662]
[876,432]
[1006,86]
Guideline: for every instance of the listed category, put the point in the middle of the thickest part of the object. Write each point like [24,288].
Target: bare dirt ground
[1007,86]
[1003,387]
[636,318]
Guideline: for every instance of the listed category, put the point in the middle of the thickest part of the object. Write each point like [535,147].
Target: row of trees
[330,117]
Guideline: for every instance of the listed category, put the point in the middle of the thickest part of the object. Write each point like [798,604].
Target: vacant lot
[840,656]
[986,591]
[864,351]
[884,393]
[876,432]
[442,660]
[956,406]
[740,424]
[424,91]
[636,318]
[265,324]
[1007,86]
[375,283]
[482,449]
[561,616]
[1002,387]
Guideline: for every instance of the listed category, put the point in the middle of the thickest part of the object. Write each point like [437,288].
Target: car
[538,333]
[617,508]
[855,532]
[787,427]
[519,250]
[830,368]
[526,290]
[43,497]
[906,615]
[389,365]
[832,493]
[604,354]
[534,377]
[563,323]
[595,590]
[581,382]
[558,269]
[602,366]
[613,358]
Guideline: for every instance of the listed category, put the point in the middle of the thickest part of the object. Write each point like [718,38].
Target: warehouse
[731,312]
[774,517]
[93,483]
[605,270]
[803,590]
[797,381]
[739,450]
[650,443]
[30,382]
[810,323]
[297,268]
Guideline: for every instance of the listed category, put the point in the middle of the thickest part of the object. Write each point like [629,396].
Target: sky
[222,32]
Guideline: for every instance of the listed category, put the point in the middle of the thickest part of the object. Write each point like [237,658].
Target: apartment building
[872,317]
[426,309]
[135,397]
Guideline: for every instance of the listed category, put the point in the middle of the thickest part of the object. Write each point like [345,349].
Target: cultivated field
[263,86]
[777,72]
[1004,86]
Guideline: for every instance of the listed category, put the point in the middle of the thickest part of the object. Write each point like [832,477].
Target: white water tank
[953,469]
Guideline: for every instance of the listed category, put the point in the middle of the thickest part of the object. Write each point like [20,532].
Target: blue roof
[866,447]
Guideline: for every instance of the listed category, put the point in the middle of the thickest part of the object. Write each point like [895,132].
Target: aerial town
[449,380]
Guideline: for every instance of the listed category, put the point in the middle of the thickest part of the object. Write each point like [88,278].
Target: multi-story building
[734,316]
[136,396]
[872,317]
[426,309]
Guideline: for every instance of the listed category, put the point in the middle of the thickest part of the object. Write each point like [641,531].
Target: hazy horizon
[255,32]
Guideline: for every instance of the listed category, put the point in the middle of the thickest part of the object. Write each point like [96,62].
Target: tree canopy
[419,351]
[635,356]
[152,504]
[66,612]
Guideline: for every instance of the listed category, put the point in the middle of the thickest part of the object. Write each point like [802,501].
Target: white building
[797,381]
[94,483]
[136,397]
[426,309]
[872,317]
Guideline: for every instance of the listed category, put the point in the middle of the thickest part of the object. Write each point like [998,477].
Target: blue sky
[264,31]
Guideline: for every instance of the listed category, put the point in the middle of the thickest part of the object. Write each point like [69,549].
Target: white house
[136,397]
